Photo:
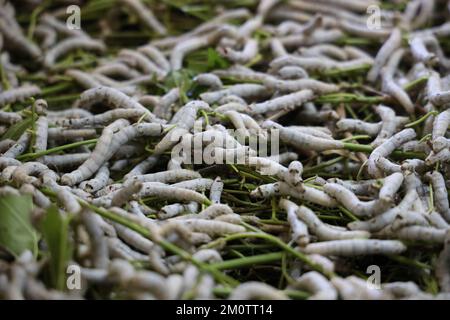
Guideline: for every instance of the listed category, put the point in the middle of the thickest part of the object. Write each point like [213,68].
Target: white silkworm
[440,194]
[256,290]
[41,134]
[19,147]
[70,134]
[317,284]
[356,247]
[212,228]
[215,191]
[99,247]
[316,86]
[70,44]
[322,230]
[171,193]
[6,144]
[175,209]
[111,97]
[440,125]
[9,117]
[386,148]
[209,80]
[18,94]
[317,37]
[388,124]
[24,172]
[102,119]
[145,15]
[249,51]
[359,126]
[388,48]
[142,62]
[126,193]
[162,108]
[199,184]
[60,26]
[420,233]
[15,39]
[156,55]
[391,185]
[301,140]
[292,72]
[170,176]
[244,90]
[106,148]
[421,53]
[299,230]
[277,48]
[39,198]
[380,221]
[188,45]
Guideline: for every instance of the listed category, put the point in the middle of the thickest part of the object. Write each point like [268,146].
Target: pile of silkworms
[104,130]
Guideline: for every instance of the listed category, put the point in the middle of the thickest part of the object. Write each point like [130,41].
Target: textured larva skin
[102,119]
[388,48]
[388,124]
[9,117]
[299,229]
[170,176]
[171,193]
[244,90]
[145,15]
[386,148]
[99,254]
[70,44]
[106,148]
[323,231]
[356,247]
[316,86]
[70,134]
[141,61]
[287,102]
[126,193]
[382,220]
[318,285]
[420,233]
[39,198]
[420,52]
[111,97]
[16,41]
[391,185]
[434,90]
[175,209]
[18,94]
[249,51]
[199,184]
[440,126]
[353,125]
[19,147]
[302,140]
[209,80]
[252,290]
[41,134]
[440,194]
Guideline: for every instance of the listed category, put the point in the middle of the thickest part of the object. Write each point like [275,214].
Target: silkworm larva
[256,290]
[70,134]
[386,148]
[421,53]
[249,51]
[24,172]
[9,117]
[215,192]
[126,193]
[171,176]
[391,185]
[356,247]
[421,233]
[133,238]
[440,125]
[316,86]
[171,193]
[209,80]
[197,42]
[292,72]
[145,15]
[111,97]
[277,48]
[388,124]
[356,125]
[156,55]
[18,94]
[318,285]
[385,218]
[236,106]
[41,134]
[99,247]
[324,231]
[243,90]
[434,157]
[15,39]
[19,147]
[175,209]
[142,62]
[440,194]
[5,145]
[386,50]
[39,198]
[60,26]
[103,152]
[70,44]
[199,184]
[299,230]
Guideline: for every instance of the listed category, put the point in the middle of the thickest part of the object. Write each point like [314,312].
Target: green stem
[421,119]
[248,261]
[368,149]
[34,155]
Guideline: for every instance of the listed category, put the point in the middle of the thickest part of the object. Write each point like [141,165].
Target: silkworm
[60,26]
[316,86]
[292,72]
[421,53]
[317,284]
[440,194]
[356,247]
[420,233]
[70,44]
[99,247]
[162,108]
[386,148]
[299,230]
[38,197]
[105,149]
[249,51]
[199,184]
[15,39]
[19,147]
[142,62]
[145,15]
[209,80]
[391,185]
[212,228]
[301,140]
[388,48]
[175,209]
[126,193]
[9,117]
[277,48]
[18,94]
[382,220]
[170,176]
[256,290]
[440,126]
[111,97]
[170,193]
[6,144]
[215,191]
[359,126]
[245,90]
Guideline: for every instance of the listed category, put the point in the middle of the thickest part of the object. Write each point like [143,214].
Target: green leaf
[16,232]
[55,229]
[16,130]
[216,61]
